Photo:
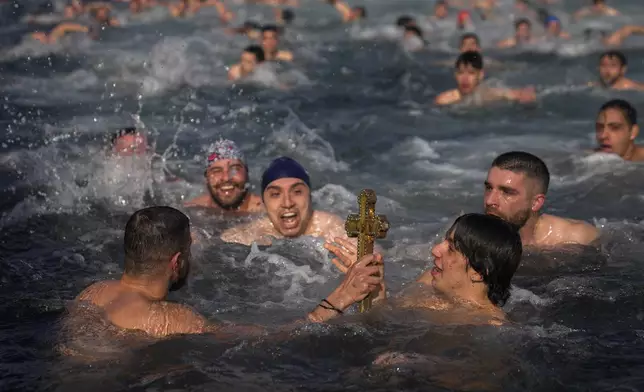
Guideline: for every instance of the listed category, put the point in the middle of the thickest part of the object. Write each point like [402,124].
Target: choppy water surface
[358,114]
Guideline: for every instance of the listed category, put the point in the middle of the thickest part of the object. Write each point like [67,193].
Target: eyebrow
[297,184]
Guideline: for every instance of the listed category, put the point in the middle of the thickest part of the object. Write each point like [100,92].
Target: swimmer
[473,268]
[349,14]
[251,57]
[612,71]
[183,8]
[464,21]
[616,129]
[250,29]
[284,17]
[469,76]
[157,261]
[441,10]
[225,16]
[470,42]
[101,17]
[270,41]
[413,38]
[552,25]
[227,182]
[128,142]
[286,192]
[515,190]
[598,8]
[522,35]
[404,21]
[618,37]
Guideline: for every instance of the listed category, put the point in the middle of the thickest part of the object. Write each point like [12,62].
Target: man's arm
[581,233]
[343,8]
[507,43]
[234,73]
[616,38]
[65,28]
[448,98]
[524,95]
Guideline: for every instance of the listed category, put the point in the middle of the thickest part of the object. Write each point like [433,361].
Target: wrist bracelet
[330,307]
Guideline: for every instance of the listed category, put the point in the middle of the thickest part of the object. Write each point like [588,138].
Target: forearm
[334,305]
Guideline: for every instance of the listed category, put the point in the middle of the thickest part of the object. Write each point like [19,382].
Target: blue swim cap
[284,167]
[551,18]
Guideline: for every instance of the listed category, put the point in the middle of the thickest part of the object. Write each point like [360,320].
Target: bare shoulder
[247,233]
[96,290]
[256,204]
[169,318]
[573,231]
[285,55]
[199,201]
[235,72]
[448,97]
[638,156]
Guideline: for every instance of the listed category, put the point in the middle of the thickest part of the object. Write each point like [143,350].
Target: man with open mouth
[227,182]
[616,129]
[286,192]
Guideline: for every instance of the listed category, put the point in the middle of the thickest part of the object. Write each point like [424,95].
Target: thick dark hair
[152,236]
[271,28]
[492,247]
[521,21]
[615,54]
[288,15]
[405,20]
[470,57]
[526,163]
[470,36]
[257,51]
[629,112]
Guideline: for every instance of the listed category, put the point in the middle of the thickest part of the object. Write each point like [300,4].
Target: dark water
[358,114]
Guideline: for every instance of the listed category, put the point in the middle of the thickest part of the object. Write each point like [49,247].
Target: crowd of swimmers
[472,265]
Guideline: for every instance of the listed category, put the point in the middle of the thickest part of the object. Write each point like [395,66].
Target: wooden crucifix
[366,226]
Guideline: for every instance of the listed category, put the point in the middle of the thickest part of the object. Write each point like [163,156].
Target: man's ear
[538,201]
[635,130]
[475,277]
[174,262]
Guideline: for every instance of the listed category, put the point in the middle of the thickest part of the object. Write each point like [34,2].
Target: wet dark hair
[362,11]
[522,21]
[415,30]
[404,21]
[615,54]
[470,58]
[122,132]
[492,248]
[271,28]
[257,51]
[152,236]
[288,15]
[525,163]
[250,25]
[628,111]
[441,3]
[467,36]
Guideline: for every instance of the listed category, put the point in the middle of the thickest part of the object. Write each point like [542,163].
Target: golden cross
[367,226]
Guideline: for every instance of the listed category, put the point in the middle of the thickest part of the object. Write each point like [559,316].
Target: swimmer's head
[463,20]
[102,14]
[405,21]
[251,57]
[616,128]
[552,25]
[157,246]
[69,12]
[468,72]
[599,2]
[470,43]
[136,6]
[479,253]
[413,32]
[226,174]
[612,67]
[287,16]
[270,39]
[516,187]
[522,30]
[286,192]
[358,12]
[441,10]
[128,142]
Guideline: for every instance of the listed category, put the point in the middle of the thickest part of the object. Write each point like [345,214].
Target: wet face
[611,70]
[450,273]
[130,144]
[248,62]
[510,196]
[613,133]
[288,205]
[269,41]
[554,28]
[468,78]
[523,32]
[182,269]
[102,15]
[226,180]
[470,45]
[441,11]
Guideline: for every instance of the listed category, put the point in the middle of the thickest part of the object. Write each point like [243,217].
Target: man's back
[128,309]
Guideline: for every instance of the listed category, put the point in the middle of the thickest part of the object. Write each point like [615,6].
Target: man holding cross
[286,193]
